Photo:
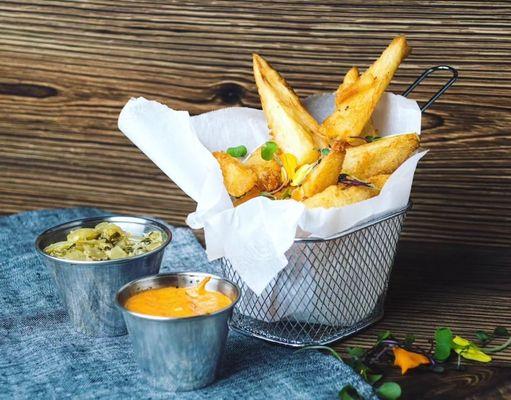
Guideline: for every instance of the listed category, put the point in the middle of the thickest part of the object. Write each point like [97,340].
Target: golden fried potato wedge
[383,156]
[324,175]
[378,181]
[356,104]
[349,79]
[292,127]
[268,173]
[238,178]
[340,195]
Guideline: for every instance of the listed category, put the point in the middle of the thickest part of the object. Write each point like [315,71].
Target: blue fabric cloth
[42,357]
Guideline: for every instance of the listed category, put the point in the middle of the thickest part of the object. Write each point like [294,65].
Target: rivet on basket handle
[440,92]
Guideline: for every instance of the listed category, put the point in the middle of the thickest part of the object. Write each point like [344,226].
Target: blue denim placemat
[42,357]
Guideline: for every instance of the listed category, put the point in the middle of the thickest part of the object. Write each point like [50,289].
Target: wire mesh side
[329,289]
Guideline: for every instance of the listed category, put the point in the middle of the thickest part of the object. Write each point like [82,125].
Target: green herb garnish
[389,391]
[443,344]
[393,351]
[238,151]
[268,150]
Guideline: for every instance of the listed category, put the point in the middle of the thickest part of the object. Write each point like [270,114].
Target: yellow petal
[289,163]
[301,173]
[471,351]
[408,360]
[460,341]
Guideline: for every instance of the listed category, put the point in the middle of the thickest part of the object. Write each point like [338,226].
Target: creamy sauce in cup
[178,302]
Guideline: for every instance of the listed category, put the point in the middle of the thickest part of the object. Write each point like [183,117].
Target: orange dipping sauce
[178,302]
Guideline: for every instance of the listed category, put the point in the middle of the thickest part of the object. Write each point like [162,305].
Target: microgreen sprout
[268,150]
[238,151]
[388,349]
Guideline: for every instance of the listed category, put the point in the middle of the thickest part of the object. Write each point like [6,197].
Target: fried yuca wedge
[269,177]
[349,79]
[340,195]
[381,156]
[356,104]
[238,178]
[378,181]
[324,175]
[292,127]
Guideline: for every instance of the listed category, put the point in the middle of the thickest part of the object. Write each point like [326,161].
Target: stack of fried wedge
[338,162]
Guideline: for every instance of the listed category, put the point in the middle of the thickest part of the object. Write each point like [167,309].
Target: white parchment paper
[256,235]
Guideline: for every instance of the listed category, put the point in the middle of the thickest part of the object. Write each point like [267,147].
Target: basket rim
[358,227]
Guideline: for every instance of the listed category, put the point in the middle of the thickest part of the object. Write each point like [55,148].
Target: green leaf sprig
[268,150]
[357,361]
[443,344]
[238,151]
[365,361]
[446,342]
[389,391]
[486,338]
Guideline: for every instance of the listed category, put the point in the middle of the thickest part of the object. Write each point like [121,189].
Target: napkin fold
[42,357]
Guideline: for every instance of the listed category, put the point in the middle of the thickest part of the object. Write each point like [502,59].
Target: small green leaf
[349,393]
[482,336]
[384,335]
[501,331]
[329,349]
[325,151]
[268,150]
[373,378]
[356,352]
[238,151]
[389,391]
[443,344]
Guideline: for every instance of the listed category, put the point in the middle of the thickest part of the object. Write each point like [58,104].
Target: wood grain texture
[476,382]
[466,289]
[67,68]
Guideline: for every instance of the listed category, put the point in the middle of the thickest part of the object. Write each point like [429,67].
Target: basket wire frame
[330,288]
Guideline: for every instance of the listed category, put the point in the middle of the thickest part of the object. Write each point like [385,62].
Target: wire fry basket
[331,288]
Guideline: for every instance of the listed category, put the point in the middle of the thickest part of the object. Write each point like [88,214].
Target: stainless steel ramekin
[88,288]
[178,354]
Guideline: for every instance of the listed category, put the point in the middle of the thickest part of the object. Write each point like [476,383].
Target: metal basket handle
[441,91]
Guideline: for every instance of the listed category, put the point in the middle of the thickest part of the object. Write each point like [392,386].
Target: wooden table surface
[68,67]
[466,289]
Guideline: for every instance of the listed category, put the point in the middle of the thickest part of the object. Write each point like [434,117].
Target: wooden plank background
[67,68]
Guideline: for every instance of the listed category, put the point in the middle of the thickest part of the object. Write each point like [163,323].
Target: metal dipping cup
[178,354]
[88,288]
